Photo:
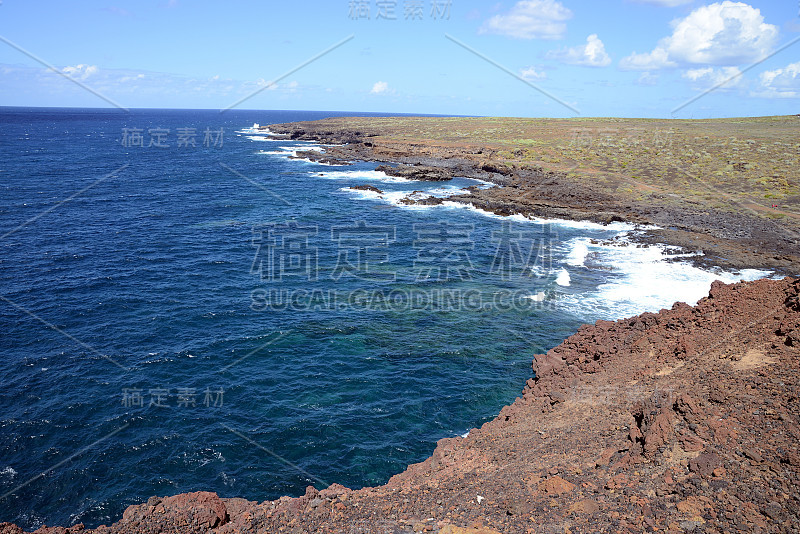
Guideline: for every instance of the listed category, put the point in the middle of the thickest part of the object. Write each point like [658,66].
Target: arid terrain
[728,187]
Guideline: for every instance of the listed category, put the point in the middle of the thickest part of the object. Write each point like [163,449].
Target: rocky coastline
[731,239]
[686,420]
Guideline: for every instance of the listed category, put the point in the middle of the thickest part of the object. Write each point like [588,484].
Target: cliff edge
[682,420]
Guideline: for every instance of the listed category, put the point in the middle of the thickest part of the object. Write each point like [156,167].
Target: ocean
[184,307]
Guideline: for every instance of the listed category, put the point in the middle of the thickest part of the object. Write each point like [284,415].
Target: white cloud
[657,59]
[781,83]
[592,54]
[132,78]
[664,3]
[379,88]
[725,33]
[261,83]
[80,72]
[530,19]
[647,78]
[269,86]
[787,77]
[131,87]
[531,74]
[721,78]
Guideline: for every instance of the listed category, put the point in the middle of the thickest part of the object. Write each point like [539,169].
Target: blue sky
[548,58]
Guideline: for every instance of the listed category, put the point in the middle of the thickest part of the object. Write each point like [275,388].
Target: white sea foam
[644,279]
[446,191]
[363,193]
[292,151]
[638,279]
[390,197]
[361,175]
[538,270]
[396,197]
[8,471]
[618,227]
[264,138]
[578,253]
[316,148]
[255,131]
[289,151]
[323,164]
[538,297]
[588,225]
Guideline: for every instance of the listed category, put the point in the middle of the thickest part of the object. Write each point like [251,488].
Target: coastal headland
[678,421]
[726,187]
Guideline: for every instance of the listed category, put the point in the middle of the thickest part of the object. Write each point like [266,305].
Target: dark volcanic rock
[187,513]
[320,157]
[705,464]
[418,172]
[736,240]
[426,201]
[366,187]
[421,198]
[498,168]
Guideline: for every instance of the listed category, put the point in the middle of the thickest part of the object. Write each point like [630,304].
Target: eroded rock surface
[737,239]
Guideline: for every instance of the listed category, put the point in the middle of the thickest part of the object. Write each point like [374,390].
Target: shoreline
[729,239]
[681,420]
[526,470]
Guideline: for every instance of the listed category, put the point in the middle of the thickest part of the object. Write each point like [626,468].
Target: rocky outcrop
[740,239]
[366,187]
[320,157]
[421,198]
[189,512]
[417,172]
[682,420]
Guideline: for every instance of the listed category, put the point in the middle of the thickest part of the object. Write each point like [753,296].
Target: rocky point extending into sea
[678,421]
[693,212]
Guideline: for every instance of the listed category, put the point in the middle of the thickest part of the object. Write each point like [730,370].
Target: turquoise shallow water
[211,315]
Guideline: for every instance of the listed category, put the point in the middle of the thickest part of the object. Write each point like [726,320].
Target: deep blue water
[276,330]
